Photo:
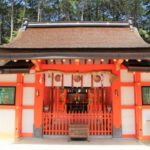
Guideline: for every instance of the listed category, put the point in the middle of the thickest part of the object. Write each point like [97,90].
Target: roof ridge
[75,24]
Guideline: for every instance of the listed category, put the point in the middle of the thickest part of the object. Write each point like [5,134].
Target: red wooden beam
[76,67]
[19,93]
[116,105]
[38,106]
[138,103]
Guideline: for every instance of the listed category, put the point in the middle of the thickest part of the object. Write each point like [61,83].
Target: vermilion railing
[58,123]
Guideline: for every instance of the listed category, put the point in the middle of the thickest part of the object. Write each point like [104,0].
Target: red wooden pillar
[138,103]
[19,93]
[116,106]
[38,107]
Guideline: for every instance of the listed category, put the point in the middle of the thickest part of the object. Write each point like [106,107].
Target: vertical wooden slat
[104,122]
[102,125]
[52,123]
[95,117]
[99,123]
[107,124]
[92,123]
[62,125]
[66,123]
[111,122]
[45,123]
[49,115]
[59,124]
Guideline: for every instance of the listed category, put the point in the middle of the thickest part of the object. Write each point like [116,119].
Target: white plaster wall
[87,80]
[126,76]
[8,78]
[145,77]
[127,95]
[27,120]
[145,123]
[28,95]
[128,121]
[7,121]
[29,78]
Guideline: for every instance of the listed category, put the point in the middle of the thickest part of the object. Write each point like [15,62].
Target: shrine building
[53,75]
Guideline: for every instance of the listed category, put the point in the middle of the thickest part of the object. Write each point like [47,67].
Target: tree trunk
[39,11]
[82,7]
[82,15]
[12,20]
[24,9]
[97,11]
[0,29]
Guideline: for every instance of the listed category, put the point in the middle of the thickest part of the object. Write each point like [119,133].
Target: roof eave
[23,54]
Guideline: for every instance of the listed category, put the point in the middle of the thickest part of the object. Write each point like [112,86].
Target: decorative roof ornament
[25,24]
[130,21]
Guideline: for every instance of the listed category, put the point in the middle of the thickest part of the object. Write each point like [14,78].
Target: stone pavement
[61,143]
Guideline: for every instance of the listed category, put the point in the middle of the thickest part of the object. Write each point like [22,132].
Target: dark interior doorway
[77,99]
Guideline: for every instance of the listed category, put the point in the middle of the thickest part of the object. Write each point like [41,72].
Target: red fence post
[58,123]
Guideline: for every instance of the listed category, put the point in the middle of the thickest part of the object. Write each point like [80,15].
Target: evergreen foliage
[73,10]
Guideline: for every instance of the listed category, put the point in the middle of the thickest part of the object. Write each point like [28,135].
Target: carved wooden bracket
[37,65]
[118,64]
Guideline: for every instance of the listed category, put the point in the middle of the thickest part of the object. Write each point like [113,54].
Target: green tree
[73,10]
[145,30]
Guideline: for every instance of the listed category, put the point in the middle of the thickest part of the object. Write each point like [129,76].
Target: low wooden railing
[58,123]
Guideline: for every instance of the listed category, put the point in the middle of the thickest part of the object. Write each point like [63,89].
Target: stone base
[37,132]
[117,133]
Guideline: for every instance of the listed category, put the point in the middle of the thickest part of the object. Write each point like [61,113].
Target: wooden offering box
[78,131]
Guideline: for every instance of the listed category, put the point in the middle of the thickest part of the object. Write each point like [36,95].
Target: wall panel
[27,120]
[126,76]
[128,121]
[28,95]
[146,122]
[127,95]
[29,78]
[7,121]
[8,78]
[145,77]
